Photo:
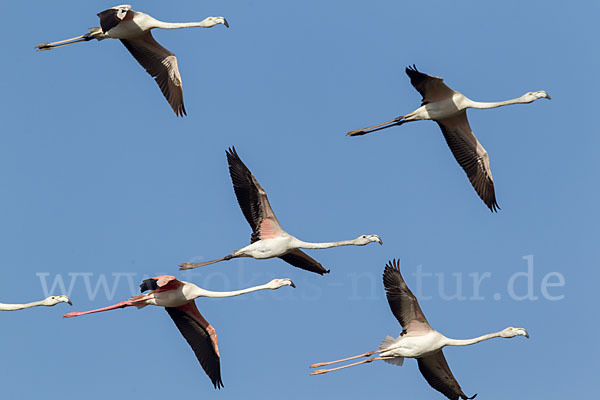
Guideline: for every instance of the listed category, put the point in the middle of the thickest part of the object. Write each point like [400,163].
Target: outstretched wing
[471,156]
[436,372]
[113,16]
[161,64]
[403,303]
[199,339]
[300,259]
[164,282]
[431,88]
[252,199]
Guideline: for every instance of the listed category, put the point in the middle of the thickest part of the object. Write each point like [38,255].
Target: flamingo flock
[268,239]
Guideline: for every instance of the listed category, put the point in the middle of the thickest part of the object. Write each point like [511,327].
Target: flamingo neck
[13,307]
[495,104]
[178,25]
[324,245]
[467,342]
[199,292]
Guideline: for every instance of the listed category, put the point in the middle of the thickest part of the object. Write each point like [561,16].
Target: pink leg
[322,364]
[368,360]
[122,304]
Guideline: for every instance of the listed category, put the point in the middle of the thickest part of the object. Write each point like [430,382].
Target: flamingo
[417,340]
[268,238]
[178,299]
[133,28]
[449,109]
[47,302]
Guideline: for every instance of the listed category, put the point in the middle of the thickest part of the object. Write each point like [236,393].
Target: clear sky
[101,181]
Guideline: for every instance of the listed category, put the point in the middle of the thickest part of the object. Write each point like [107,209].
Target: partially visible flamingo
[178,299]
[133,29]
[449,109]
[268,238]
[47,302]
[417,340]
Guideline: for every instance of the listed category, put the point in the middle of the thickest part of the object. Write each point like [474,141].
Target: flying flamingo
[449,109]
[268,238]
[178,299]
[133,29]
[417,340]
[47,302]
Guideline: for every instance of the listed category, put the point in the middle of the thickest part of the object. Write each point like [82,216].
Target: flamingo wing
[300,259]
[164,282]
[436,372]
[113,16]
[402,301]
[471,156]
[252,199]
[196,332]
[161,64]
[431,88]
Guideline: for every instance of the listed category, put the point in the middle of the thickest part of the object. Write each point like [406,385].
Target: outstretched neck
[495,104]
[467,342]
[199,292]
[207,23]
[13,307]
[324,245]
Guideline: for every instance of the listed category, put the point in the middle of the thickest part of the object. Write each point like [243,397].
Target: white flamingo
[268,238]
[449,109]
[133,29]
[178,299]
[417,340]
[47,302]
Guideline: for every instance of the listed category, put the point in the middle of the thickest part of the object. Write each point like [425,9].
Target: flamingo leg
[122,304]
[378,127]
[368,360]
[322,364]
[189,265]
[60,43]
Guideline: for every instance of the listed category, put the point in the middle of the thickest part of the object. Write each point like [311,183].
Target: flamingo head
[54,300]
[216,20]
[366,239]
[511,332]
[277,283]
[533,96]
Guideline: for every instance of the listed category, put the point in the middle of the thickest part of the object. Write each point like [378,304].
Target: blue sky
[100,179]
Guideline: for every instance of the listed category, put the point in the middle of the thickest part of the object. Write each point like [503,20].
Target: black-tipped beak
[356,132]
[225,23]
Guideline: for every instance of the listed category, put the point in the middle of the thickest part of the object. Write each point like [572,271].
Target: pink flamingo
[417,340]
[178,299]
[448,108]
[268,238]
[134,28]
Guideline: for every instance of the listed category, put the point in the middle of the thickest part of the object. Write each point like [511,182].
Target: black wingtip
[219,384]
[148,284]
[494,207]
[472,397]
[394,263]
